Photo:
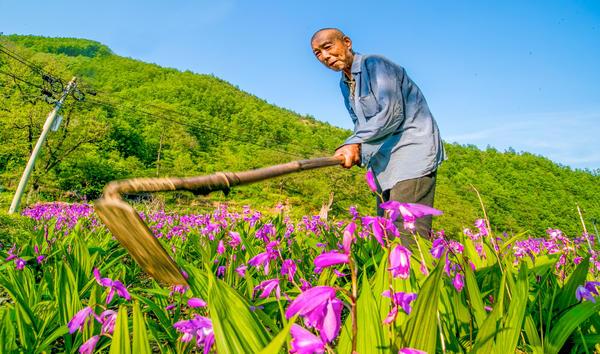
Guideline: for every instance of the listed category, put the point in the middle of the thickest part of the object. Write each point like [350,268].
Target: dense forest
[129,118]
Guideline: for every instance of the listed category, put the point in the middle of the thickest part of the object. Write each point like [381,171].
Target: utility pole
[38,146]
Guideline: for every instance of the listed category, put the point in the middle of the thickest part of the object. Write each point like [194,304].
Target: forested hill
[131,118]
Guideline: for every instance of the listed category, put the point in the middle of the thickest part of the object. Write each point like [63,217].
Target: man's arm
[386,83]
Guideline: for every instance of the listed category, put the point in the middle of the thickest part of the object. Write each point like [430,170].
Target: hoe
[133,234]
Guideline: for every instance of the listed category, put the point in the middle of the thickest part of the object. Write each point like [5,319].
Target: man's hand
[350,153]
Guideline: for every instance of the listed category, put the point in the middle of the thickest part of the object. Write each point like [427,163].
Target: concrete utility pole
[36,150]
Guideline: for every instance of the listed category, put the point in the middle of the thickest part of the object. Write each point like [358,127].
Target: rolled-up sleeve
[385,82]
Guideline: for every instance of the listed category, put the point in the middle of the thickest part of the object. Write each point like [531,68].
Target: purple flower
[108,319]
[349,237]
[330,258]
[113,285]
[591,286]
[234,239]
[458,281]
[221,247]
[196,302]
[320,309]
[11,253]
[480,224]
[267,288]
[438,247]
[410,351]
[401,299]
[89,346]
[221,271]
[241,270]
[264,259]
[409,211]
[400,262]
[380,226]
[79,319]
[584,293]
[199,328]
[304,342]
[371,181]
[20,263]
[288,268]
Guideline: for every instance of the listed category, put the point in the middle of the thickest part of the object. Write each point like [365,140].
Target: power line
[201,126]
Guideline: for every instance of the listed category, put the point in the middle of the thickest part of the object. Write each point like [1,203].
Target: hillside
[139,119]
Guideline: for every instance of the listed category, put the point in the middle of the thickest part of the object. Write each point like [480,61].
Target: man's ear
[347,42]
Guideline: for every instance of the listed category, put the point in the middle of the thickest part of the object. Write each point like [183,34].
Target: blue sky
[521,74]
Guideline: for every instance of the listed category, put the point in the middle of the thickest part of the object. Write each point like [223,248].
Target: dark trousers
[417,190]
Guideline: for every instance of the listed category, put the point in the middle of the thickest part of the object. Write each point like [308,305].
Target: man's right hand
[350,153]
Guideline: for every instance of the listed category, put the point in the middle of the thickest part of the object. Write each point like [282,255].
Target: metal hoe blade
[133,234]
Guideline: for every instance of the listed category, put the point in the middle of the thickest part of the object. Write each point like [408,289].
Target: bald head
[329,32]
[333,48]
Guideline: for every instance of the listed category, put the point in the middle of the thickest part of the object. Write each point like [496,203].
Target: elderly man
[395,135]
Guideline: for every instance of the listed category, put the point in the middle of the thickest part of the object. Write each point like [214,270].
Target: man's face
[333,50]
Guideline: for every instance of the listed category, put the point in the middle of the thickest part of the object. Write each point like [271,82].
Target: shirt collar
[355,68]
[356,63]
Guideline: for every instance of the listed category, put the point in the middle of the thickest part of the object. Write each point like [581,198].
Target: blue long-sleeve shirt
[399,138]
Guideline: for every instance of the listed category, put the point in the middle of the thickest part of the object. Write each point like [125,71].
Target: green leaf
[140,336]
[564,327]
[474,295]
[512,323]
[7,332]
[421,329]
[566,295]
[533,336]
[236,328]
[279,340]
[120,340]
[371,336]
[484,343]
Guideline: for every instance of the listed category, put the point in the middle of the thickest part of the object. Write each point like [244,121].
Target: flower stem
[353,299]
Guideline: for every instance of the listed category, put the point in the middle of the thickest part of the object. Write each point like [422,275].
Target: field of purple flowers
[267,284]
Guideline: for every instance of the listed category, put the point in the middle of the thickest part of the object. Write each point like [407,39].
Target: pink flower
[20,263]
[235,239]
[221,247]
[89,346]
[400,262]
[241,270]
[196,302]
[330,258]
[371,181]
[349,237]
[409,211]
[411,351]
[304,342]
[11,253]
[458,281]
[288,268]
[79,319]
[199,328]
[113,285]
[480,224]
[381,227]
[267,288]
[320,309]
[402,299]
[108,319]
